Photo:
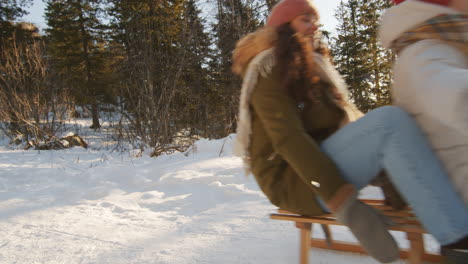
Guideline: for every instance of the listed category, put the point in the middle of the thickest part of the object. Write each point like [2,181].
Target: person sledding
[430,39]
[295,135]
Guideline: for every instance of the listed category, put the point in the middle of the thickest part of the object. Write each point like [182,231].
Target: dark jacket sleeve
[278,113]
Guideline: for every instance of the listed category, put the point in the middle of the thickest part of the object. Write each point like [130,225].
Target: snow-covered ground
[97,206]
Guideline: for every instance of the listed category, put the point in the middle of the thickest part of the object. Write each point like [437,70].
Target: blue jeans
[388,138]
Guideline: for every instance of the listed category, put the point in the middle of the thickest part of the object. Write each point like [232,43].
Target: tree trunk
[95,114]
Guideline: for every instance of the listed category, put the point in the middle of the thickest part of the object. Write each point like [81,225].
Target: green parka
[284,152]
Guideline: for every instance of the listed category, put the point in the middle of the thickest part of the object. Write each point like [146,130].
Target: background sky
[326,9]
[36,13]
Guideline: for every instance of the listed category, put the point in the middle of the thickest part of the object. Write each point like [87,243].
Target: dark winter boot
[456,253]
[367,224]
[454,256]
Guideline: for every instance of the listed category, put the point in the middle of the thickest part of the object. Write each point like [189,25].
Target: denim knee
[394,116]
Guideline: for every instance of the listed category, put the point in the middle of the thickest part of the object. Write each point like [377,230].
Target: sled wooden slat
[404,220]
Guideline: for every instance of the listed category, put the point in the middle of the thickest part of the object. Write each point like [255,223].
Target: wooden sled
[405,222]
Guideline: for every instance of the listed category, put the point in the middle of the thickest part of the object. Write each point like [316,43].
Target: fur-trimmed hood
[265,38]
[250,46]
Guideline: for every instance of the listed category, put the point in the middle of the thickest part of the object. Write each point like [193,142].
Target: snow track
[95,207]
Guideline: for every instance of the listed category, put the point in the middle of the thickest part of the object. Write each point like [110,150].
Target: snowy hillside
[96,206]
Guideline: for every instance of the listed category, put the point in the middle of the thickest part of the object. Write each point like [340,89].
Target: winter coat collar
[451,28]
[406,16]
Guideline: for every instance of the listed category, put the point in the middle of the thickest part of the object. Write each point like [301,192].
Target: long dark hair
[294,57]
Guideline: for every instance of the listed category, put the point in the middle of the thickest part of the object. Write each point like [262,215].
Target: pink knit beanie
[437,2]
[286,10]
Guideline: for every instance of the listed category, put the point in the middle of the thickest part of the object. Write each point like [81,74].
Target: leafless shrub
[30,110]
[152,71]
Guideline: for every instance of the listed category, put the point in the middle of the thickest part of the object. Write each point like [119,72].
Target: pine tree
[348,53]
[378,60]
[365,66]
[10,10]
[197,97]
[13,9]
[270,4]
[152,35]
[77,47]
[235,18]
